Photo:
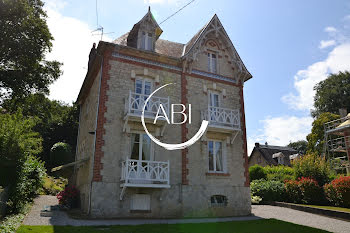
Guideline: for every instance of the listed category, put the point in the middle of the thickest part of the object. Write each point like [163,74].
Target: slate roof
[165,47]
[268,150]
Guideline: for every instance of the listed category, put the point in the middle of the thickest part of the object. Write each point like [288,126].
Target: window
[212,62]
[143,88]
[141,147]
[213,99]
[216,162]
[146,41]
[280,160]
[218,200]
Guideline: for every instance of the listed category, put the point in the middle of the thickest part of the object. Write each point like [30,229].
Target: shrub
[280,173]
[312,166]
[29,180]
[52,186]
[69,197]
[256,199]
[293,191]
[311,192]
[338,191]
[257,172]
[268,190]
[61,153]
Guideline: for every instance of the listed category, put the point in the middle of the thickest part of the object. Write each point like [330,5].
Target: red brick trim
[217,174]
[101,119]
[244,138]
[184,131]
[173,71]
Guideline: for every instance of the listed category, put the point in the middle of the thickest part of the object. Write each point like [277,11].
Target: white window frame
[211,98]
[140,148]
[146,41]
[223,151]
[212,66]
[143,80]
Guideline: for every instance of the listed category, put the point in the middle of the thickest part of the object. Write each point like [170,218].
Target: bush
[256,199]
[52,186]
[29,181]
[293,191]
[338,191]
[312,166]
[280,173]
[61,153]
[311,192]
[256,172]
[268,190]
[69,197]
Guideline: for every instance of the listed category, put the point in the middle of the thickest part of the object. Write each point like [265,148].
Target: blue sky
[288,46]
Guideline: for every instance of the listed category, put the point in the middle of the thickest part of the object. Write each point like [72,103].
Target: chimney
[257,144]
[266,144]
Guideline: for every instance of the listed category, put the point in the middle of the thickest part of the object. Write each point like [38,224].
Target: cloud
[326,43]
[347,17]
[72,44]
[282,130]
[330,29]
[305,80]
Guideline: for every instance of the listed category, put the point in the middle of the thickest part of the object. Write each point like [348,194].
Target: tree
[300,146]
[332,94]
[24,40]
[316,138]
[54,121]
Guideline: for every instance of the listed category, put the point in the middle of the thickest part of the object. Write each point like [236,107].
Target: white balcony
[145,173]
[339,144]
[338,126]
[135,102]
[222,119]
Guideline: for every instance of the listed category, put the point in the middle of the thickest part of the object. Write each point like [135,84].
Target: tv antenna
[99,28]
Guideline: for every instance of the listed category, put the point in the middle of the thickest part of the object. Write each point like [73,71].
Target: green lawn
[255,226]
[329,208]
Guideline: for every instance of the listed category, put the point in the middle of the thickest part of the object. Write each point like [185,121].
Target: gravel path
[301,218]
[260,211]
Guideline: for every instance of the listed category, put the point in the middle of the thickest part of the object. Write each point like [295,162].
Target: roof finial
[149,8]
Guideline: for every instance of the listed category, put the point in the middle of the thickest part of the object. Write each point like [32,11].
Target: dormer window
[212,62]
[146,41]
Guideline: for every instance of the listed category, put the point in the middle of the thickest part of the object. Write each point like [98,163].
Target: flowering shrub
[338,191]
[293,191]
[68,197]
[311,192]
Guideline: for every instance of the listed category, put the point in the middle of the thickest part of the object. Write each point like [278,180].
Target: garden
[309,181]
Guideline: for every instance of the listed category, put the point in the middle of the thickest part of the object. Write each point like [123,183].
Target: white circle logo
[167,146]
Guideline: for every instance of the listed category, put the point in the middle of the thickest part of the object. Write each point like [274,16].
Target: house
[268,155]
[119,170]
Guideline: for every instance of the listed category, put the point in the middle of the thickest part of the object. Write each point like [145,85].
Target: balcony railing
[145,173]
[332,126]
[339,144]
[135,102]
[222,117]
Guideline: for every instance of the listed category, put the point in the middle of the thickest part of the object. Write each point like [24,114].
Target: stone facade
[104,102]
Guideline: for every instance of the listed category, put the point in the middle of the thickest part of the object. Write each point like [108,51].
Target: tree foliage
[24,40]
[61,153]
[332,94]
[54,121]
[300,146]
[316,137]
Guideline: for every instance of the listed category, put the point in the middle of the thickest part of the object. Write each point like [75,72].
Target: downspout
[94,148]
[76,147]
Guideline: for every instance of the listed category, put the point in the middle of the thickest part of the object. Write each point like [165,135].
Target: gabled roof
[267,151]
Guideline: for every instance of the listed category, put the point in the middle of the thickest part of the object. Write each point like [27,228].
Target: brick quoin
[184,131]
[244,137]
[101,119]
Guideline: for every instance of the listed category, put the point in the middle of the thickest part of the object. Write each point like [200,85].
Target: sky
[288,46]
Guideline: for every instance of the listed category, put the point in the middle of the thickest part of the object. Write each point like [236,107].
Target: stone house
[119,171]
[269,155]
